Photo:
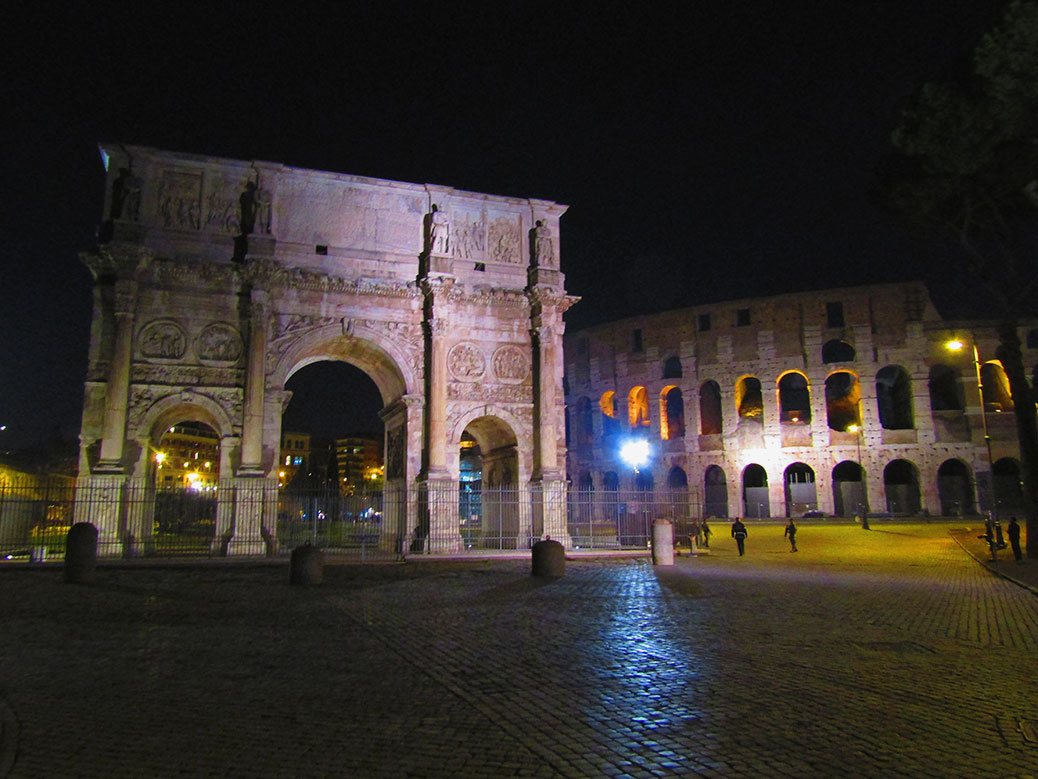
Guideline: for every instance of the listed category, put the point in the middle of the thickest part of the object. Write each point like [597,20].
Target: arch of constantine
[216,280]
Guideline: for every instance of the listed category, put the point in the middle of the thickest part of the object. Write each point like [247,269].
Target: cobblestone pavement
[876,653]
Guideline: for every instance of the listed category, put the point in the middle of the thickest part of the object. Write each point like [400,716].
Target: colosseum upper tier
[842,402]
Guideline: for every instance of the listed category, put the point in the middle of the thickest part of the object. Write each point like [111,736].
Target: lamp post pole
[956,345]
[863,500]
[984,425]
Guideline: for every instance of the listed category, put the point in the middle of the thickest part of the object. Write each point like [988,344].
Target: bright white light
[635,452]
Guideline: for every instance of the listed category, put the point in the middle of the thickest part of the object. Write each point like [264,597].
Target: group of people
[993,535]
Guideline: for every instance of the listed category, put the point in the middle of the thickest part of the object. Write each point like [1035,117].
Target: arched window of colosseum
[837,351]
[610,422]
[584,424]
[638,407]
[715,492]
[672,416]
[1008,494]
[954,487]
[996,387]
[945,389]
[677,483]
[849,489]
[800,490]
[710,419]
[610,481]
[842,400]
[672,368]
[894,398]
[794,398]
[755,491]
[583,505]
[748,398]
[643,481]
[901,482]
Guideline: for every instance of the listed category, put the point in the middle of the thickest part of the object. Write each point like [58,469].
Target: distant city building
[295,456]
[359,461]
[188,456]
[780,406]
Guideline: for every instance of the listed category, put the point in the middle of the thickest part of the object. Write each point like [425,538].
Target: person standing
[705,530]
[1013,531]
[791,534]
[694,537]
[739,534]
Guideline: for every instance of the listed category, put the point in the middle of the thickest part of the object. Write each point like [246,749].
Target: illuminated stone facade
[217,279]
[766,407]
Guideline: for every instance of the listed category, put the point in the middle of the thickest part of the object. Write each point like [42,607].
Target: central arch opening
[330,465]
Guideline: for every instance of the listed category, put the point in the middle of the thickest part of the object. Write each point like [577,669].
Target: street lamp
[956,345]
[635,452]
[863,500]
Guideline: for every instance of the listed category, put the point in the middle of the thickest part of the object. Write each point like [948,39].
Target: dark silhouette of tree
[964,168]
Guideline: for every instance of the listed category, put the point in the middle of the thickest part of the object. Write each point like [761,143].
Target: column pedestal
[252,498]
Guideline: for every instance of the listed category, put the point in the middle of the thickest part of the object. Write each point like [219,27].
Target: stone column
[436,444]
[549,486]
[117,391]
[546,464]
[255,379]
[438,510]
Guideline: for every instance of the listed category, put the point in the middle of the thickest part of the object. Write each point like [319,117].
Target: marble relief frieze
[218,342]
[500,393]
[510,364]
[469,236]
[466,362]
[504,242]
[162,340]
[180,199]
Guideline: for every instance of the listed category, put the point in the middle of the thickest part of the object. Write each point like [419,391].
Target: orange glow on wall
[638,407]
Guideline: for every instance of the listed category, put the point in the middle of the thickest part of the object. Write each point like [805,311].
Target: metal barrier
[425,518]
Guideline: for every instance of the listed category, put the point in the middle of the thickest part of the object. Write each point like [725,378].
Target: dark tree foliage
[964,168]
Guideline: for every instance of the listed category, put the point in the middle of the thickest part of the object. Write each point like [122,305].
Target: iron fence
[140,520]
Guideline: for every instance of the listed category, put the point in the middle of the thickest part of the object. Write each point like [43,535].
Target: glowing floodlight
[635,452]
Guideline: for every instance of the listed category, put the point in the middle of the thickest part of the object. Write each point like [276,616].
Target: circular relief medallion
[163,340]
[466,362]
[510,364]
[218,342]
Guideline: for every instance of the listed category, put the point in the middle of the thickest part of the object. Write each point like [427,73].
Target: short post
[306,566]
[549,559]
[662,542]
[80,553]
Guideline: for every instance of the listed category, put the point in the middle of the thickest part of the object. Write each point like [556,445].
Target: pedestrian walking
[1013,531]
[791,534]
[705,530]
[739,534]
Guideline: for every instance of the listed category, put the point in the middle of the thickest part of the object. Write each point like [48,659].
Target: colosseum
[843,402]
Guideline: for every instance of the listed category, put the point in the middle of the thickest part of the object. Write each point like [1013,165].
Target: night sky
[725,152]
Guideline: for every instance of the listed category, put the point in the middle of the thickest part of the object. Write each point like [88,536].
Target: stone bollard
[306,566]
[662,542]
[549,559]
[80,553]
